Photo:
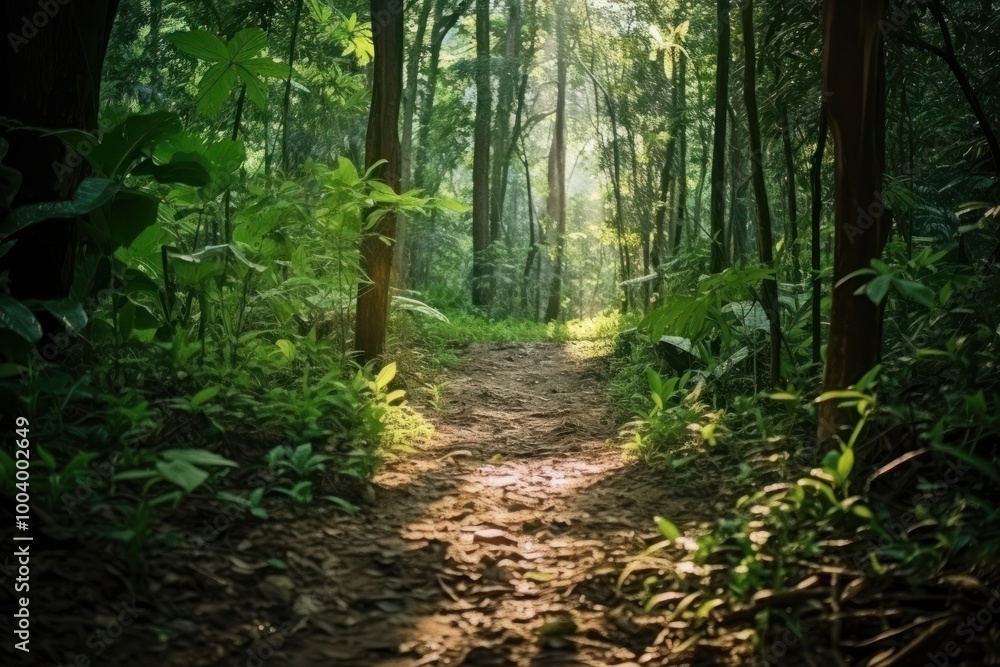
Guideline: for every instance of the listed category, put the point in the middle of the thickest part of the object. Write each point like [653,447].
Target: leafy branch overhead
[232,62]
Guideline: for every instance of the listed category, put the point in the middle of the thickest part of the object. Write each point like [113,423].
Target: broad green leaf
[916,291]
[90,195]
[68,311]
[182,473]
[205,395]
[124,143]
[385,376]
[878,287]
[198,456]
[201,44]
[214,87]
[122,220]
[185,168]
[16,317]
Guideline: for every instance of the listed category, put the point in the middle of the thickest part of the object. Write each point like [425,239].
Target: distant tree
[481,160]
[717,215]
[556,206]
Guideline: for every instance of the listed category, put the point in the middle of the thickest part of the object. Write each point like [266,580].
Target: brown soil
[500,543]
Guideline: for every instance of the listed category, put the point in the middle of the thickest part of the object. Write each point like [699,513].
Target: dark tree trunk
[854,81]
[682,183]
[52,68]
[793,211]
[382,143]
[288,85]
[718,201]
[481,161]
[765,244]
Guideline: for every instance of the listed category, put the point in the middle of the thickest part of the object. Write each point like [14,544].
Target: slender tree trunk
[52,77]
[816,181]
[793,211]
[663,206]
[401,274]
[481,161]
[382,143]
[508,71]
[854,80]
[765,244]
[532,241]
[288,85]
[682,182]
[557,166]
[718,201]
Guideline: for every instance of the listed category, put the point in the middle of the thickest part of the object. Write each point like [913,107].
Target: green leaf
[395,395]
[201,44]
[16,317]
[878,287]
[246,44]
[182,473]
[90,194]
[287,349]
[214,87]
[122,220]
[205,395]
[124,143]
[669,530]
[845,463]
[198,456]
[343,504]
[185,168]
[916,291]
[385,376]
[68,311]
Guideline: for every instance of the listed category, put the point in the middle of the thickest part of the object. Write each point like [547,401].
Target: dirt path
[500,543]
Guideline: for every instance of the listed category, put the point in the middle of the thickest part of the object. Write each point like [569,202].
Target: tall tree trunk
[854,80]
[557,166]
[718,201]
[793,211]
[501,130]
[51,66]
[816,181]
[532,241]
[765,244]
[656,254]
[288,85]
[400,252]
[682,182]
[381,143]
[481,161]
[52,75]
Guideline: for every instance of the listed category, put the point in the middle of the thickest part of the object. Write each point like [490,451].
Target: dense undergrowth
[896,520]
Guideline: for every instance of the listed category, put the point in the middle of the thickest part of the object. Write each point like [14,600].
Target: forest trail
[500,542]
